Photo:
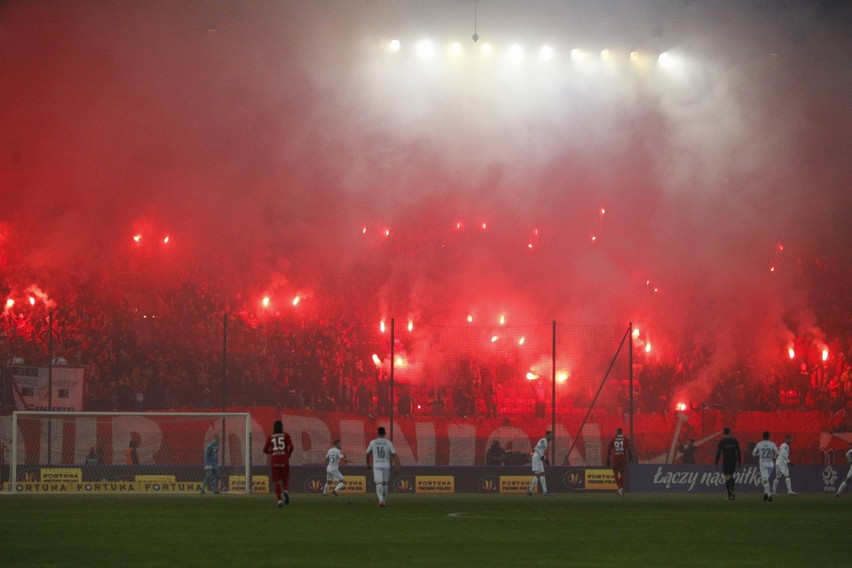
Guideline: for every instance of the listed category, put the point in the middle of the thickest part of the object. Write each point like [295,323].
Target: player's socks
[775,486]
[325,489]
[286,497]
[532,485]
[789,485]
[543,483]
[841,488]
[339,487]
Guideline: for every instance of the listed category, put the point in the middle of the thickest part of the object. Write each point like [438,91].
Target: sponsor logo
[829,479]
[516,483]
[404,485]
[179,487]
[575,479]
[600,479]
[314,484]
[155,478]
[259,483]
[670,478]
[435,484]
[354,484]
[489,485]
[61,474]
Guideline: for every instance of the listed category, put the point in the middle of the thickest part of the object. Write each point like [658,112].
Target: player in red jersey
[618,455]
[279,446]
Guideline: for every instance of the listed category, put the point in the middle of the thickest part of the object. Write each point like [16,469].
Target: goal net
[93,452]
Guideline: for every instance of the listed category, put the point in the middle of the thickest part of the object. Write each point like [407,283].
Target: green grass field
[414,530]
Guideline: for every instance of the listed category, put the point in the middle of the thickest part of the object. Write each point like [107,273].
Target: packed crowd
[144,351]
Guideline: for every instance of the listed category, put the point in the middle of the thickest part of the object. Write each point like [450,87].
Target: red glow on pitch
[681,406]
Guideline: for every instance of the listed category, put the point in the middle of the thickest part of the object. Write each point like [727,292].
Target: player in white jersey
[381,455]
[539,456]
[333,458]
[766,451]
[782,466]
[848,475]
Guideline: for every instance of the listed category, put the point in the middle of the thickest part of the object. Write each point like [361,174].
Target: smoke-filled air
[682,165]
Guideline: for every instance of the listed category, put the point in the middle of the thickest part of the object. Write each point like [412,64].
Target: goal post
[160,452]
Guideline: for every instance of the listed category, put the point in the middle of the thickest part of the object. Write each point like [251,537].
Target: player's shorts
[766,469]
[381,474]
[281,472]
[334,474]
[537,464]
[619,465]
[728,468]
[782,470]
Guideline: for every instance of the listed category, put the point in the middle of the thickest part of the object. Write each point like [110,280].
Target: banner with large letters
[420,440]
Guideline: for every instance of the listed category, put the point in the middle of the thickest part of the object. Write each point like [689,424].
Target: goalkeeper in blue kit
[211,465]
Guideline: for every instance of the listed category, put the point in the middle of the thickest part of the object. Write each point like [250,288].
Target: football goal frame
[57,419]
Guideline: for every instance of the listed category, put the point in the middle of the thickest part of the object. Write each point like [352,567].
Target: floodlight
[545,53]
[425,50]
[394,45]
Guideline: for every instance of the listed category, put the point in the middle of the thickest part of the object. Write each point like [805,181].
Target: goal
[104,452]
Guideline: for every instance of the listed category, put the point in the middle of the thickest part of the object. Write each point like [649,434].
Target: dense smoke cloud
[266,137]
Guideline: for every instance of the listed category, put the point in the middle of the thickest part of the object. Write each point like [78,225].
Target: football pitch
[417,530]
